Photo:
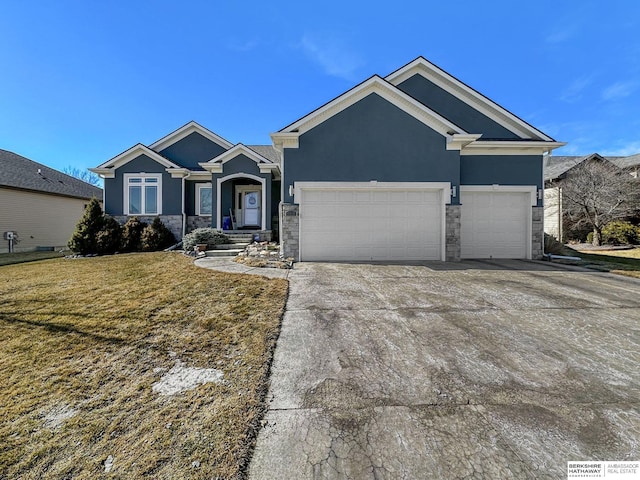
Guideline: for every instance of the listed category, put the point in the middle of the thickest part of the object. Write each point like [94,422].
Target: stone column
[452,233]
[290,228]
[537,232]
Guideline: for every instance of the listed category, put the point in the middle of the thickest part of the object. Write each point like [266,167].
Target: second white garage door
[495,224]
[370,223]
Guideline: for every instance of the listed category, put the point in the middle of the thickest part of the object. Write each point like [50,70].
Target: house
[556,169]
[413,166]
[40,205]
[194,178]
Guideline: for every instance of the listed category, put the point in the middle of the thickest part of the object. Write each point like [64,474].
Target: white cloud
[623,149]
[558,36]
[332,54]
[573,92]
[619,90]
[242,45]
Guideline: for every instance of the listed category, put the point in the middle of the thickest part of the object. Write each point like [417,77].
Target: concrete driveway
[472,370]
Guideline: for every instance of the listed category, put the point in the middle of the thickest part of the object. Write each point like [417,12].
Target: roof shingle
[19,172]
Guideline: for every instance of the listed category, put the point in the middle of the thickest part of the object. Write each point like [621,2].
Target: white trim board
[185,131]
[131,154]
[468,95]
[263,185]
[380,87]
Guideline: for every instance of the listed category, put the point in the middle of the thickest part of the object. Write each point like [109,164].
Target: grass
[623,262]
[84,340]
[22,257]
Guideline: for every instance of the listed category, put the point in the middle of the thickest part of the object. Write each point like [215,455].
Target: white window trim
[200,186]
[125,181]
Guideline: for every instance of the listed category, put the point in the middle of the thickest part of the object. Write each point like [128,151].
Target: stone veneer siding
[290,231]
[200,221]
[537,232]
[452,233]
[172,222]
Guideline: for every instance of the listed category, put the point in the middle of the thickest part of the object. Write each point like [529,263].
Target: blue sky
[83,81]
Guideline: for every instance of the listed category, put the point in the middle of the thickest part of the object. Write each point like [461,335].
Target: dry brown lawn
[622,262]
[84,340]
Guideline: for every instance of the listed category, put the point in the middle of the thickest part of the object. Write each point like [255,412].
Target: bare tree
[84,175]
[596,192]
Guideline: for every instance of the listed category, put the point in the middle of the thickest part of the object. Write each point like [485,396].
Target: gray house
[413,166]
[556,169]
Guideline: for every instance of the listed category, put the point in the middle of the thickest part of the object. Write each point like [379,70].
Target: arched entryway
[243,196]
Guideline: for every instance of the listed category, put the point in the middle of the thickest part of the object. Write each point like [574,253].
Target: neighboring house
[556,169]
[39,204]
[413,166]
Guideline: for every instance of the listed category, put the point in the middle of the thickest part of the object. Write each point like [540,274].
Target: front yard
[622,262]
[85,340]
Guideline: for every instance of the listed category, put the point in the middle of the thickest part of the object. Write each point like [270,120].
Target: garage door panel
[494,224]
[373,224]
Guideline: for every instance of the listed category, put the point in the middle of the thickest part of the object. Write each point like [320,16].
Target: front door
[251,207]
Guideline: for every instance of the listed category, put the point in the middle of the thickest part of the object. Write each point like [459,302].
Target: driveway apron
[504,369]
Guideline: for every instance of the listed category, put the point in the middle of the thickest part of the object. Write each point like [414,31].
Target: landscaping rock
[263,255]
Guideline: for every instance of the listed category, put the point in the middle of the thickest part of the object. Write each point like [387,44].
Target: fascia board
[510,148]
[185,131]
[387,91]
[239,149]
[468,95]
[134,152]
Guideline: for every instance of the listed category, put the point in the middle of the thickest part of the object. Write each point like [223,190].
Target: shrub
[108,239]
[552,245]
[620,233]
[132,234]
[84,239]
[210,236]
[156,236]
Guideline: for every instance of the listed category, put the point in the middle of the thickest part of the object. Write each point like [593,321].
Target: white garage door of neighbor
[370,224]
[495,224]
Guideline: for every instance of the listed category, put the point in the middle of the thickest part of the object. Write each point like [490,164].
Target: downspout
[184,213]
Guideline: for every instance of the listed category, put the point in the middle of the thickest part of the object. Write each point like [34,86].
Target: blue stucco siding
[454,109]
[371,140]
[501,170]
[241,164]
[191,150]
[171,187]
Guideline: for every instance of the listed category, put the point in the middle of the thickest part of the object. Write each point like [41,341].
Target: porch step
[240,237]
[231,252]
[230,246]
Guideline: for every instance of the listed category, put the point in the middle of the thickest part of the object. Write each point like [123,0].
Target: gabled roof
[465,93]
[108,168]
[267,151]
[215,164]
[185,131]
[556,167]
[386,90]
[20,172]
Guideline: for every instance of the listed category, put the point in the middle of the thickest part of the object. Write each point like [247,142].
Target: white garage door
[369,224]
[495,224]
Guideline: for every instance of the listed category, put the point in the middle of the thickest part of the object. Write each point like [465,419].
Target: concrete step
[229,246]
[232,252]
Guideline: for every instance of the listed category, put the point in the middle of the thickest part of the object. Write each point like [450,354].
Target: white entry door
[251,207]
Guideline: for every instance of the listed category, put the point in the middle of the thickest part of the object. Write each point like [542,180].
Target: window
[204,201]
[142,193]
